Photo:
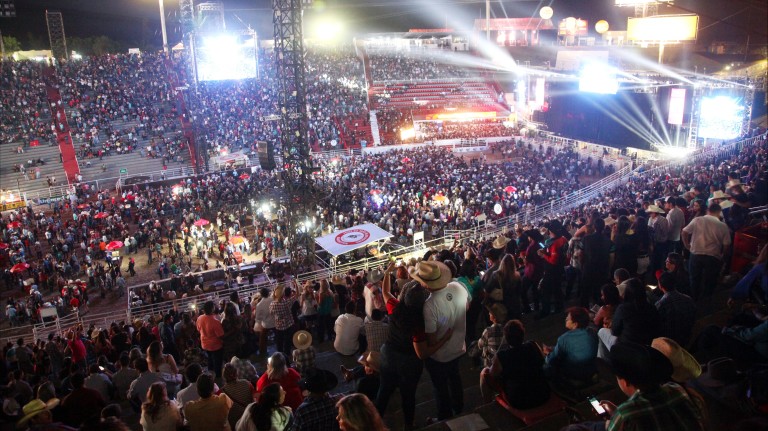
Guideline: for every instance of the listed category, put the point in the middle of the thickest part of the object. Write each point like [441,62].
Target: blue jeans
[449,392]
[399,370]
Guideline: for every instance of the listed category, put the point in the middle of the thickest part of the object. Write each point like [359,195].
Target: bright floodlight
[546,12]
[721,117]
[598,78]
[328,29]
[602,26]
[673,152]
[224,56]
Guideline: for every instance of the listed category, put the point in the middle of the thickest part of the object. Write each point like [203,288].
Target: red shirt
[290,384]
[77,348]
[211,333]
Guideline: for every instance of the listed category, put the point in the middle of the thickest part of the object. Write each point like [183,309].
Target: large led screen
[226,57]
[721,117]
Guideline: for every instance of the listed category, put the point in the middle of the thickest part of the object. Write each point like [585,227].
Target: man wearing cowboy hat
[660,228]
[445,310]
[38,416]
[318,411]
[708,239]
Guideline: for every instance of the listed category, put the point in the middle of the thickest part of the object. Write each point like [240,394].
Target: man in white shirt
[445,310]
[348,328]
[676,221]
[189,393]
[708,239]
[265,321]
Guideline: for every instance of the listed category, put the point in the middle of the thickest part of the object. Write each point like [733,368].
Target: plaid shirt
[666,409]
[490,342]
[318,414]
[303,359]
[281,310]
[376,332]
[245,369]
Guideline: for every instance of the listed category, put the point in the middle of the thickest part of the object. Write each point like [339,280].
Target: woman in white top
[158,362]
[308,307]
[159,413]
[267,414]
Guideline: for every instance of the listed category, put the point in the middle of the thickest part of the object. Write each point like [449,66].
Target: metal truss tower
[299,187]
[749,101]
[56,35]
[187,17]
[210,17]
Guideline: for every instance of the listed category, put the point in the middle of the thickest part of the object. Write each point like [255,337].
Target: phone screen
[541,244]
[596,405]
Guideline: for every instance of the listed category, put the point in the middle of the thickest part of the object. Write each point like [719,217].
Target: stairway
[375,129]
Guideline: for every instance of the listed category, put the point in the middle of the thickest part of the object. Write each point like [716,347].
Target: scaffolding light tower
[302,192]
[210,16]
[56,35]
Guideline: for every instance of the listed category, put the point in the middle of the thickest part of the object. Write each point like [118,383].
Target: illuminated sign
[664,28]
[430,30]
[508,24]
[676,106]
[461,116]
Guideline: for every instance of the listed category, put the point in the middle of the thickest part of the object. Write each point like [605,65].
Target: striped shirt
[667,409]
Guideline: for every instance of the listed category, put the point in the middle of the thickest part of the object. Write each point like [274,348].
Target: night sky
[135,22]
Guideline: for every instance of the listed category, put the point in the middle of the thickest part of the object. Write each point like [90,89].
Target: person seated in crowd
[571,362]
[99,381]
[191,373]
[643,374]
[517,371]
[357,413]
[375,329]
[82,403]
[676,310]
[366,375]
[37,415]
[675,266]
[318,411]
[304,354]
[621,278]
[137,391]
[348,329]
[635,320]
[493,336]
[268,413]
[278,372]
[159,413]
[210,412]
[240,391]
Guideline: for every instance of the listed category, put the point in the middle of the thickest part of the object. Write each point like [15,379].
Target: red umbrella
[14,225]
[19,267]
[244,176]
[201,222]
[82,206]
[101,215]
[375,191]
[510,189]
[114,245]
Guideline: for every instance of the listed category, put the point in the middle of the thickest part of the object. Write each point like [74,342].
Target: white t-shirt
[262,314]
[709,236]
[444,309]
[347,328]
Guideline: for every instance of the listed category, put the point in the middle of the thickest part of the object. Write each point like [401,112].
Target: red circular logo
[352,237]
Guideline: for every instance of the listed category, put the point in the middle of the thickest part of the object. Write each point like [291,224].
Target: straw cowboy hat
[500,242]
[719,194]
[302,339]
[34,408]
[655,209]
[610,221]
[433,274]
[684,365]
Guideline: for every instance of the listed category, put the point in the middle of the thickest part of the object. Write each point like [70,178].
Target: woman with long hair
[267,414]
[308,303]
[640,227]
[406,347]
[233,332]
[626,244]
[509,281]
[158,413]
[357,413]
[325,304]
[159,362]
[288,378]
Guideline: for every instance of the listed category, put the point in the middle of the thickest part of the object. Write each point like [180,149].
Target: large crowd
[671,230]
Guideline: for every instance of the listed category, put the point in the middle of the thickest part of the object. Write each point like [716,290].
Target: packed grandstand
[113,289]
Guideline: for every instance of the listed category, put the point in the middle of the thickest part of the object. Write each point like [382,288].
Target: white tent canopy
[343,241]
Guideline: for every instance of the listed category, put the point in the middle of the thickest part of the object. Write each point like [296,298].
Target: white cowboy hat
[719,194]
[433,274]
[500,242]
[655,209]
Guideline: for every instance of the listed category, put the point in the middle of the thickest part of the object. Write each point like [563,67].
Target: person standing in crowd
[554,253]
[211,337]
[676,222]
[659,234]
[709,240]
[280,308]
[445,310]
[264,320]
[595,265]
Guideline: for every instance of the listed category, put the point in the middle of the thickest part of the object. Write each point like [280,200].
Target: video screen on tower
[721,117]
[225,57]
